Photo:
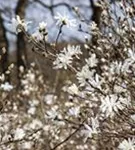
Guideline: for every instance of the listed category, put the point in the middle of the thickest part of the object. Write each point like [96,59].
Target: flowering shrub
[96,108]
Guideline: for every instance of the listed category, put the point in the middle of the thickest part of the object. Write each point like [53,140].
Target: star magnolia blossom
[93,26]
[19,134]
[128,144]
[17,21]
[84,75]
[64,59]
[112,104]
[74,111]
[65,20]
[91,130]
[37,36]
[6,86]
[42,25]
[92,61]
[73,89]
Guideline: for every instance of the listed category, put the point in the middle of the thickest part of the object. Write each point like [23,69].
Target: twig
[60,31]
[66,139]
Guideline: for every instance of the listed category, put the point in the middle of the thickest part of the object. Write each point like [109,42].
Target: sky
[37,13]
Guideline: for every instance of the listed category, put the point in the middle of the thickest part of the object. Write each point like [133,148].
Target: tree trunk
[21,47]
[96,14]
[3,44]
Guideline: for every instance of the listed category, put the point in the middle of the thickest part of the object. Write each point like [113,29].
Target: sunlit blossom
[42,26]
[37,36]
[65,58]
[64,20]
[19,134]
[84,75]
[92,61]
[74,111]
[128,144]
[73,89]
[111,104]
[91,129]
[15,22]
[93,26]
[6,86]
[95,82]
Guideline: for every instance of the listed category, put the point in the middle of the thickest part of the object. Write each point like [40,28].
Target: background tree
[21,45]
[3,46]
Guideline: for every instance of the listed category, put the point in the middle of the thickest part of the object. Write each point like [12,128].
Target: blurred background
[17,48]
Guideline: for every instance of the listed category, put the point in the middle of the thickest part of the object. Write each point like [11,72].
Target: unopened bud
[4,50]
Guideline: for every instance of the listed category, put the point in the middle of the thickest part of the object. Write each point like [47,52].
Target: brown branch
[4,43]
[50,7]
[96,13]
[72,134]
[23,139]
[21,46]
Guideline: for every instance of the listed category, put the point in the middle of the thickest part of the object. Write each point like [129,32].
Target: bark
[96,15]
[3,43]
[21,45]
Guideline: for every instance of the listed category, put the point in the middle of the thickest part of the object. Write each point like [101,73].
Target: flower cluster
[65,58]
[98,81]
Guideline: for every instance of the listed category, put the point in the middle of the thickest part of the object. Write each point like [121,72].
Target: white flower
[120,67]
[92,61]
[120,31]
[52,114]
[93,25]
[115,67]
[119,88]
[30,77]
[65,20]
[2,77]
[32,110]
[112,104]
[84,75]
[65,58]
[34,103]
[91,129]
[73,90]
[126,66]
[26,145]
[133,117]
[17,21]
[19,134]
[133,29]
[129,10]
[131,55]
[95,82]
[35,124]
[49,99]
[37,36]
[6,86]
[128,144]
[42,26]
[62,61]
[74,111]
[72,50]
